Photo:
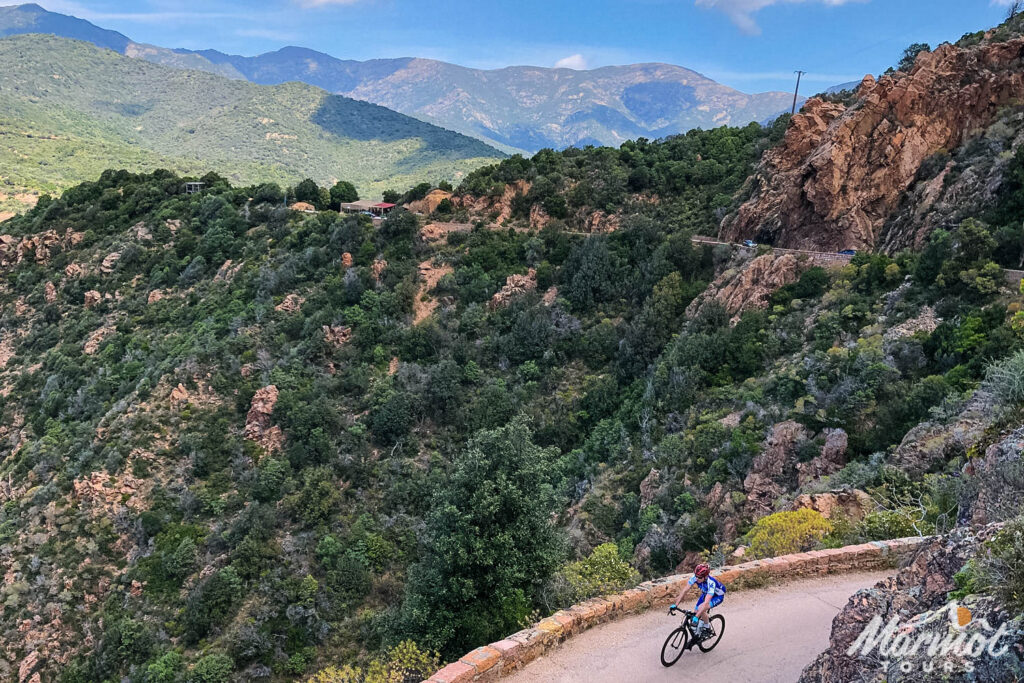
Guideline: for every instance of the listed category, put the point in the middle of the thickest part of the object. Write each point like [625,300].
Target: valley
[247,437]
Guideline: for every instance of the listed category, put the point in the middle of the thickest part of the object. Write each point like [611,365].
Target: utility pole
[796,93]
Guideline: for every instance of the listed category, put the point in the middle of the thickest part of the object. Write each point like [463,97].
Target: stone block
[510,652]
[533,642]
[552,626]
[635,599]
[457,672]
[729,576]
[482,659]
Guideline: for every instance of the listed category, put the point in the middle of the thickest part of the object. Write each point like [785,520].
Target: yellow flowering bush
[783,533]
[404,663]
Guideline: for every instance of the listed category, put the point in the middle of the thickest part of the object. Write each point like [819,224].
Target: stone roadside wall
[497,660]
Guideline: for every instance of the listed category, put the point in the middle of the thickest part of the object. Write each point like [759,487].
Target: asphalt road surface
[771,634]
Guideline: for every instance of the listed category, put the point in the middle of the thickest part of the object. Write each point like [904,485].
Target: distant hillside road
[771,635]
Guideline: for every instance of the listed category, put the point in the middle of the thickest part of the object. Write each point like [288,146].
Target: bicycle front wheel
[718,624]
[674,647]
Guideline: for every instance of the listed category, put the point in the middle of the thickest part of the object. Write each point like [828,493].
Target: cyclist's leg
[715,602]
[703,605]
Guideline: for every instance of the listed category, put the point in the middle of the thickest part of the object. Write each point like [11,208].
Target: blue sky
[752,45]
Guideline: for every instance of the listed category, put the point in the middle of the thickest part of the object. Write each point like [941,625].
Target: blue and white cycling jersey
[710,585]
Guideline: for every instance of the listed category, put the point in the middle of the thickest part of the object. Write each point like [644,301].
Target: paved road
[771,635]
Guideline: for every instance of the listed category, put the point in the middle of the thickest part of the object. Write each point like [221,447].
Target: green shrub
[603,572]
[1005,380]
[783,533]
[1000,565]
[899,523]
[214,668]
[168,668]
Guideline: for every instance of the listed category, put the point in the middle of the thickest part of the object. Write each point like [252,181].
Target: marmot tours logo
[949,632]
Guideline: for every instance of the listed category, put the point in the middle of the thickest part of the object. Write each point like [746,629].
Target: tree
[1014,9]
[343,192]
[308,191]
[910,56]
[269,193]
[491,542]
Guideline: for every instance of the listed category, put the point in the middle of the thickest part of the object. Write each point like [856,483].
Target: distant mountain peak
[517,108]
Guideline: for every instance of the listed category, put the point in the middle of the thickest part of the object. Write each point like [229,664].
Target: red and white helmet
[701,571]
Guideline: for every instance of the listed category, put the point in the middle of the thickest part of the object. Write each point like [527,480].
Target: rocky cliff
[918,597]
[841,171]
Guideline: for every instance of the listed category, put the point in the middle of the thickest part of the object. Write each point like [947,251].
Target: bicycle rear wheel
[674,647]
[718,624]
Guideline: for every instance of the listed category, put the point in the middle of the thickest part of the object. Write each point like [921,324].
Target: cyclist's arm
[682,594]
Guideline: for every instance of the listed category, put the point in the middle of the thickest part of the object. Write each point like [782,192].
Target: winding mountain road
[771,635]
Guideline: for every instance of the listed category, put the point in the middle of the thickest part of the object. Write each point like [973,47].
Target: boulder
[930,444]
[750,285]
[515,287]
[258,426]
[852,504]
[831,460]
[110,263]
[918,596]
[179,394]
[336,335]
[773,471]
[290,304]
[649,487]
[92,297]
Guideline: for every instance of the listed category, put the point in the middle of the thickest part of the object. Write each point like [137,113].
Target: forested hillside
[240,442]
[70,110]
[243,441]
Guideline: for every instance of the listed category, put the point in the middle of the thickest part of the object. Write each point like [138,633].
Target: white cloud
[742,11]
[577,62]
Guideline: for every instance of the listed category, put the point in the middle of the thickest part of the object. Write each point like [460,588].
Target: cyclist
[712,593]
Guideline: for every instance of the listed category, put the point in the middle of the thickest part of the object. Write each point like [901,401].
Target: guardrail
[505,657]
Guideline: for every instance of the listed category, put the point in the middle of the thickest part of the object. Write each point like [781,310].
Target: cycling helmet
[701,571]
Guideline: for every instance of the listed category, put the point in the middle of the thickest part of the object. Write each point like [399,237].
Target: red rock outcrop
[853,504]
[429,203]
[840,172]
[831,460]
[337,335]
[774,469]
[257,420]
[751,285]
[290,304]
[92,344]
[500,204]
[515,287]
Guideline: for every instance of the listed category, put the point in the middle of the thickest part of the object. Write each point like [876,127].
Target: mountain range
[70,110]
[517,109]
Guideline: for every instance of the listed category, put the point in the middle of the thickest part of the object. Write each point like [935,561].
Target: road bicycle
[685,637]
